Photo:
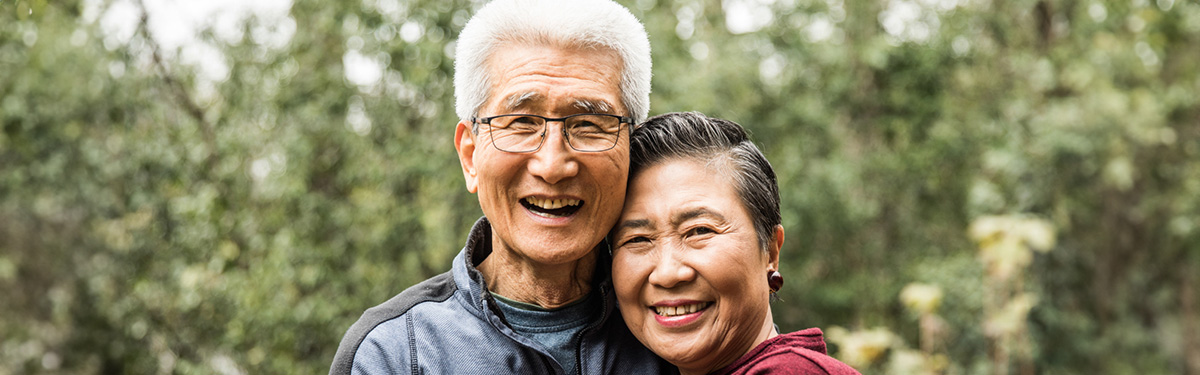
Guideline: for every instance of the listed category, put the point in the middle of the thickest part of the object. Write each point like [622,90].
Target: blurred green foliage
[155,219]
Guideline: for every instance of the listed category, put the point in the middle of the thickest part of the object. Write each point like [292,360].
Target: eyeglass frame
[475,121]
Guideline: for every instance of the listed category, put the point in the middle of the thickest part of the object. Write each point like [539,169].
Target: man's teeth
[551,204]
[679,310]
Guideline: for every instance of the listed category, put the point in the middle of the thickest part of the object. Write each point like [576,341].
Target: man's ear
[773,248]
[464,143]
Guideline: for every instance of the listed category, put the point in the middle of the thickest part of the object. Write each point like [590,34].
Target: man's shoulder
[433,290]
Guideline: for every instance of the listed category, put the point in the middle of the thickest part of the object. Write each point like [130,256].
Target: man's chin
[549,254]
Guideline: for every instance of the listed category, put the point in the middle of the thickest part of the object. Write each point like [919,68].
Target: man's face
[551,206]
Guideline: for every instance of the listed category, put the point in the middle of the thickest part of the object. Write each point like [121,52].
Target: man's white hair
[554,23]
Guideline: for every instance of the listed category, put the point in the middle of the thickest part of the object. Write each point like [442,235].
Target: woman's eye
[639,244]
[635,240]
[635,245]
[699,231]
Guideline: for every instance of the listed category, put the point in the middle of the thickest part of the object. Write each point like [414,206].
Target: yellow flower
[1006,242]
[985,228]
[1011,318]
[1004,257]
[860,349]
[921,298]
[1039,234]
[907,361]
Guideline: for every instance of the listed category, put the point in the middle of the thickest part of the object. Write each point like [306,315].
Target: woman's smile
[679,314]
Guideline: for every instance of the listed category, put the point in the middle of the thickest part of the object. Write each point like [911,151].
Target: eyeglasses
[586,132]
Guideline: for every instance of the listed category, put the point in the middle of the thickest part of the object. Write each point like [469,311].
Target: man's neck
[547,285]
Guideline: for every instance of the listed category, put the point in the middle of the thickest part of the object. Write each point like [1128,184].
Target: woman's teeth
[551,204]
[669,311]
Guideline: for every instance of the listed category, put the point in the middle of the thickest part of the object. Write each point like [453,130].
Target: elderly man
[547,92]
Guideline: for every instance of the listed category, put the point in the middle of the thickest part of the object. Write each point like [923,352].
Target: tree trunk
[1187,300]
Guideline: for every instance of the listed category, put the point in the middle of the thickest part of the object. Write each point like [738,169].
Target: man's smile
[552,208]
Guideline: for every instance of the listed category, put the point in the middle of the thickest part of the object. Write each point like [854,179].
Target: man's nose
[555,160]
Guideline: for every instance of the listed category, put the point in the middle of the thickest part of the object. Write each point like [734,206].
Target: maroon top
[800,352]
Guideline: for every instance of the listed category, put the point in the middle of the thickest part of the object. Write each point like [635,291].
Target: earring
[774,280]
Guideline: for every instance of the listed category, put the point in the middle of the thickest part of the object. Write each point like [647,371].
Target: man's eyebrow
[520,99]
[632,224]
[681,217]
[593,106]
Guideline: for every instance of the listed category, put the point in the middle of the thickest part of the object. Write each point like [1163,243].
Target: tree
[160,216]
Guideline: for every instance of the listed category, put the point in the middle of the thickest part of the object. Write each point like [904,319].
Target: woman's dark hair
[721,144]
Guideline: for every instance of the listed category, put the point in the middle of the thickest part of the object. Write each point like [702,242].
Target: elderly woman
[696,254]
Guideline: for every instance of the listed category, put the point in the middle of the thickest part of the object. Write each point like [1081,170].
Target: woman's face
[689,274]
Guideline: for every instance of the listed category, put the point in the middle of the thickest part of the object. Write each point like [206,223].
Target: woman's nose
[671,271]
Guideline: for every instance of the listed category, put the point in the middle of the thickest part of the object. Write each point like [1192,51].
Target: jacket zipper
[599,323]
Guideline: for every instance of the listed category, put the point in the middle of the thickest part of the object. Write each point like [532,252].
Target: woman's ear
[464,143]
[773,248]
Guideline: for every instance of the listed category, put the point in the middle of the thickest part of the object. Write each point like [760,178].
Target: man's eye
[700,231]
[593,124]
[525,120]
[519,124]
[585,126]
[524,123]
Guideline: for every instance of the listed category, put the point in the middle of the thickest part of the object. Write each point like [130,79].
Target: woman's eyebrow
[632,224]
[680,217]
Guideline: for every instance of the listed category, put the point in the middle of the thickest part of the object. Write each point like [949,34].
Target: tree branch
[182,97]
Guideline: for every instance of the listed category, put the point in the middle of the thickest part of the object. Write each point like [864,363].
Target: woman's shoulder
[800,352]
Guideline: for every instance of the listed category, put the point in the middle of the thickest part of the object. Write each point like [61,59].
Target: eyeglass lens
[584,132]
